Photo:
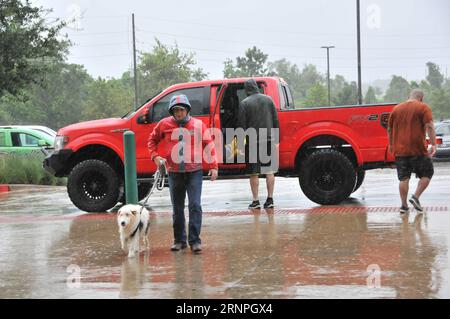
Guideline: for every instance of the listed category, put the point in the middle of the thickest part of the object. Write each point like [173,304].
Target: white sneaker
[404,210]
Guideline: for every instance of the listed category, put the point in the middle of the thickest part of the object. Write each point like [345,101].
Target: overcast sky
[398,37]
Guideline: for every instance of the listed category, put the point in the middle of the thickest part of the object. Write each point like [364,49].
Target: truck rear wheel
[327,177]
[93,186]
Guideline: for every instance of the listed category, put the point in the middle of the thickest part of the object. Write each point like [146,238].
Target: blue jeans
[179,184]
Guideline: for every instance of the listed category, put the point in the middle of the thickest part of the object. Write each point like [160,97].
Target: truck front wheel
[327,177]
[360,175]
[93,186]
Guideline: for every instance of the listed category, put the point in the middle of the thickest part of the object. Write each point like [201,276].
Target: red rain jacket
[185,147]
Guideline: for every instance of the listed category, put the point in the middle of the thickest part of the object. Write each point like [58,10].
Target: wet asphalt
[362,248]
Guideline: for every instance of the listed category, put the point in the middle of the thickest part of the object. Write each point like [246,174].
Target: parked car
[43,129]
[25,139]
[443,131]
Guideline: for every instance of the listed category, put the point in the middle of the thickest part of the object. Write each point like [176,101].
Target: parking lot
[359,249]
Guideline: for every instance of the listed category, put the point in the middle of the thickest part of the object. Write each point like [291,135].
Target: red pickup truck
[327,148]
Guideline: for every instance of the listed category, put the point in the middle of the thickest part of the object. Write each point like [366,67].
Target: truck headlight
[60,142]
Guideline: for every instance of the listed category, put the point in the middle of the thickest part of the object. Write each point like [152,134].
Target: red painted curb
[4,188]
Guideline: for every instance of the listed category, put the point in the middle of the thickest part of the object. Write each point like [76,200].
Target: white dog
[134,223]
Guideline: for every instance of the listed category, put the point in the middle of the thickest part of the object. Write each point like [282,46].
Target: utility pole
[358,18]
[328,72]
[136,101]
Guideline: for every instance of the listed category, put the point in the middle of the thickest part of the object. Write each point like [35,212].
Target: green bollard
[131,190]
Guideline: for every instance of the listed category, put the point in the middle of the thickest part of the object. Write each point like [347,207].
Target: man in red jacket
[188,146]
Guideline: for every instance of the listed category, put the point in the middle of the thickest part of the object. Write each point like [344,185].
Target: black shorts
[421,165]
[266,165]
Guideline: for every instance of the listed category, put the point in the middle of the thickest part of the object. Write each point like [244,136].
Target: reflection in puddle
[341,292]
[312,255]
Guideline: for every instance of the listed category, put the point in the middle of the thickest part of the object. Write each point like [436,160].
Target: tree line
[38,86]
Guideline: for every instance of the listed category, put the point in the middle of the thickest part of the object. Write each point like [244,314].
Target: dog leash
[158,184]
[139,228]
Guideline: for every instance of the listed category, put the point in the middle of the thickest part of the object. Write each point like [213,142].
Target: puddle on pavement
[41,201]
[277,256]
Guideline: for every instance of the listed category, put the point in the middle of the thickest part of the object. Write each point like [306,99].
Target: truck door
[225,118]
[221,111]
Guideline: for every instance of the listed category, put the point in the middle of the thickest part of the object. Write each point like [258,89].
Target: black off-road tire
[327,177]
[93,186]
[360,175]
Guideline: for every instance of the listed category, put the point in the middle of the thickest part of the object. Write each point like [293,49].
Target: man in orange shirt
[408,123]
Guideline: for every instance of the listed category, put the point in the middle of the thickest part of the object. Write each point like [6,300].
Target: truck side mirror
[145,118]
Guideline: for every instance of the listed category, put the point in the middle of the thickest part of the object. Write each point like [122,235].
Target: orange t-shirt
[407,123]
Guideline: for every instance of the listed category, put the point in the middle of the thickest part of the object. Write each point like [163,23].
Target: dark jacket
[257,110]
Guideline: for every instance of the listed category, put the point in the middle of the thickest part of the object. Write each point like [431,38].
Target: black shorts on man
[264,161]
[421,165]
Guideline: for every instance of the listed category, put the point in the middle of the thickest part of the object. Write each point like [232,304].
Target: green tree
[398,91]
[165,66]
[426,88]
[378,91]
[348,95]
[63,96]
[309,77]
[27,43]
[439,101]
[414,85]
[254,63]
[107,98]
[446,108]
[370,97]
[5,116]
[290,73]
[337,85]
[446,85]
[438,98]
[434,77]
[55,102]
[317,96]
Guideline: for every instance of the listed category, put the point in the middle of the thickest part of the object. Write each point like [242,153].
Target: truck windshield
[132,112]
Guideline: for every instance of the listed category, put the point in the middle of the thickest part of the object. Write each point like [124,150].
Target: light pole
[358,36]
[136,98]
[328,72]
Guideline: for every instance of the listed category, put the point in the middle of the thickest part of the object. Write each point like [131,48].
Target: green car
[24,140]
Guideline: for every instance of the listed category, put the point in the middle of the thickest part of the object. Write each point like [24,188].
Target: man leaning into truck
[188,145]
[258,112]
